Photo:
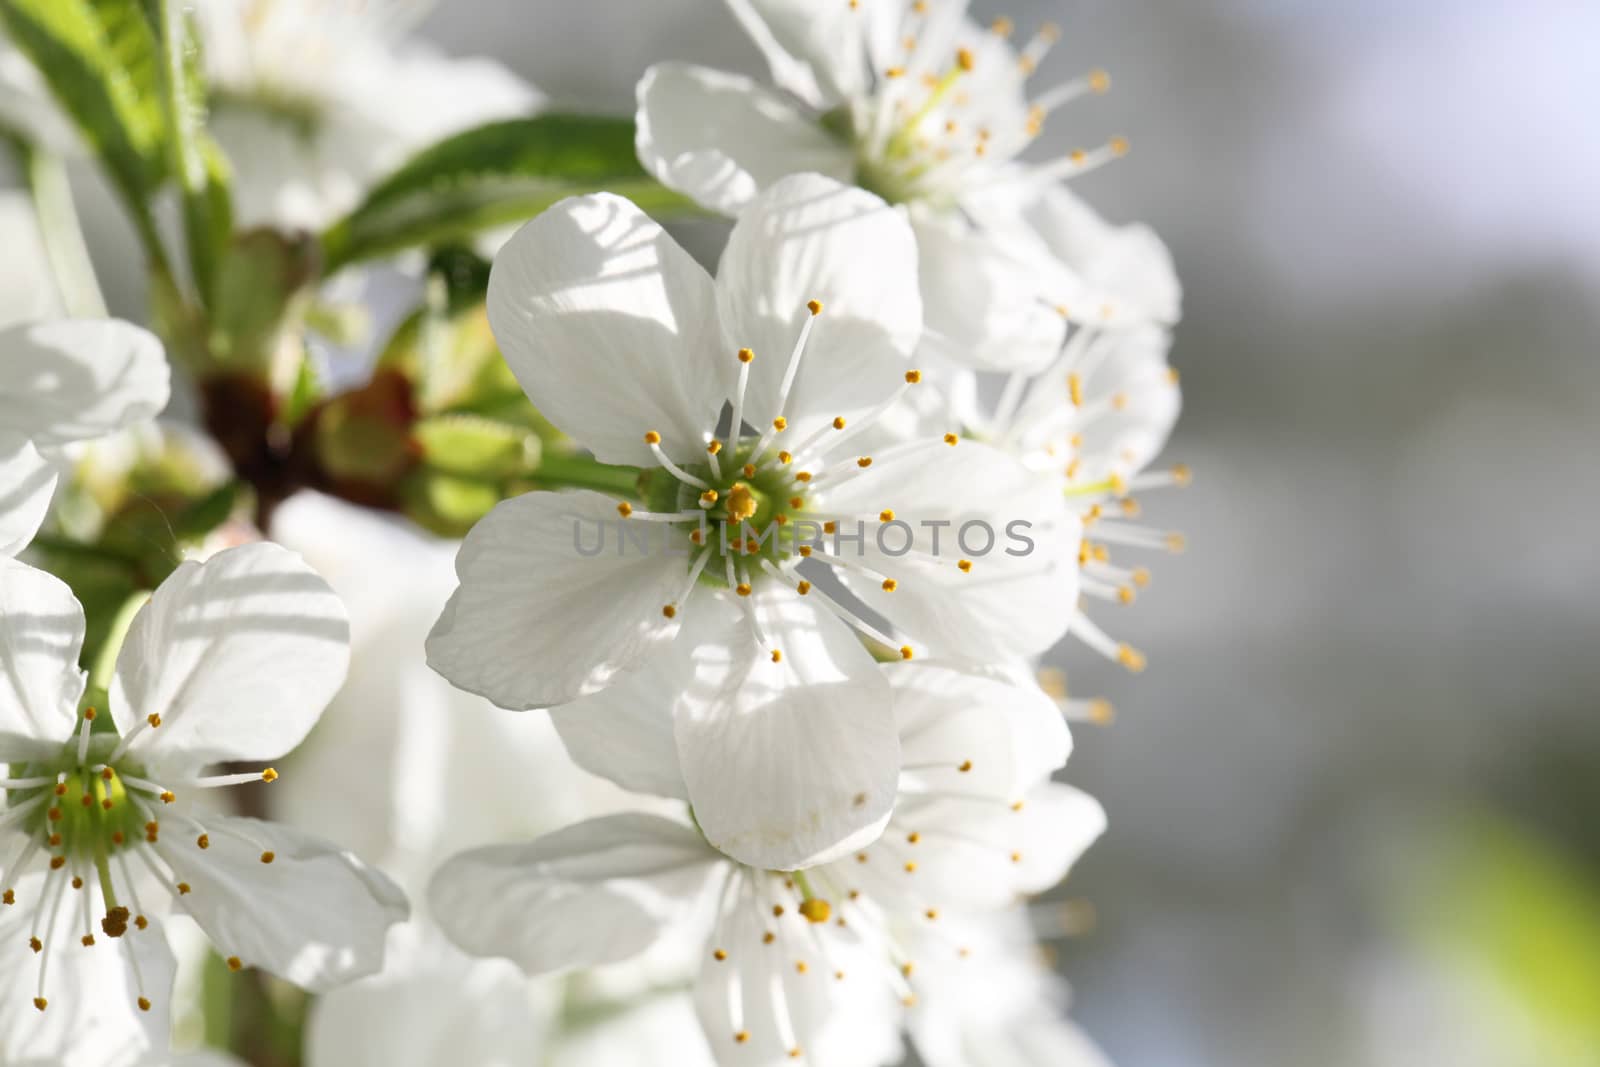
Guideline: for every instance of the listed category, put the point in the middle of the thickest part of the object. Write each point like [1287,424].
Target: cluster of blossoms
[774,552]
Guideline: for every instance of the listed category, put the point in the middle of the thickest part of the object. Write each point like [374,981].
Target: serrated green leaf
[102,63]
[494,175]
[475,447]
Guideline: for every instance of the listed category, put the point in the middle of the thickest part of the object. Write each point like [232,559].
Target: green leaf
[491,176]
[206,514]
[101,60]
[202,171]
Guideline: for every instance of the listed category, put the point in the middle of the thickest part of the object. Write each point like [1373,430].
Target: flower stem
[105,660]
[580,472]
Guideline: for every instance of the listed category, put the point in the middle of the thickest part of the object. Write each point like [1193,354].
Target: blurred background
[1355,800]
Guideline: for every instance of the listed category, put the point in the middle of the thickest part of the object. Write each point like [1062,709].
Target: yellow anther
[814,306]
[1182,475]
[777,655]
[906,968]
[1075,389]
[1101,712]
[268,857]
[886,515]
[1175,542]
[864,462]
[714,447]
[785,458]
[116,837]
[913,377]
[744,1035]
[749,470]
[1099,81]
[204,841]
[951,439]
[1125,594]
[61,789]
[800,968]
[1118,145]
[932,914]
[37,946]
[1002,27]
[89,714]
[697,537]
[57,862]
[777,911]
[743,589]
[235,963]
[9,897]
[780,424]
[1016,857]
[1077,155]
[803,588]
[768,938]
[168,797]
[965,566]
[802,476]
[77,883]
[889,585]
[906,652]
[668,610]
[913,838]
[624,509]
[965,59]
[88,941]
[838,423]
[965,767]
[40,1002]
[153,720]
[719,955]
[144,1004]
[1130,658]
[184,889]
[54,815]
[816,910]
[895,72]
[745,355]
[140,921]
[269,775]
[797,501]
[805,553]
[652,438]
[106,774]
[708,497]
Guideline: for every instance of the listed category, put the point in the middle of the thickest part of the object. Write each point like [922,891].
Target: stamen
[224,780]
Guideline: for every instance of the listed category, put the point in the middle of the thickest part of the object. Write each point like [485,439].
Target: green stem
[105,661]
[63,235]
[580,472]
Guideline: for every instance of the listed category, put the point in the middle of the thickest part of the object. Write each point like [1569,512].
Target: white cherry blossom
[625,343]
[63,382]
[232,659]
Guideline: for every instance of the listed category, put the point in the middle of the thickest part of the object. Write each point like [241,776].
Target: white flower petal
[239,655]
[1060,824]
[816,51]
[788,763]
[721,138]
[625,731]
[975,734]
[41,635]
[594,893]
[611,329]
[1127,270]
[810,238]
[71,380]
[1019,594]
[27,284]
[983,297]
[535,621]
[92,992]
[27,483]
[314,915]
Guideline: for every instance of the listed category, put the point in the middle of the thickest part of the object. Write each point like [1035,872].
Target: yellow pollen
[911,868]
[906,652]
[1017,806]
[697,537]
[932,914]
[116,837]
[88,941]
[864,462]
[61,789]
[913,837]
[785,458]
[55,840]
[838,975]
[183,889]
[1176,542]
[1125,594]
[153,720]
[268,857]
[1182,475]
[964,566]
[744,1035]
[106,804]
[816,910]
[87,800]
[77,883]
[951,439]
[714,447]
[803,588]
[829,527]
[37,946]
[1099,81]
[235,963]
[140,921]
[152,827]
[802,476]
[652,438]
[741,503]
[269,775]
[1002,27]
[889,585]
[895,72]
[1016,857]
[168,797]
[743,589]
[89,714]
[1119,146]
[203,841]
[777,911]
[886,515]
[913,377]
[907,968]
[745,355]
[55,815]
[814,306]
[805,553]
[668,610]
[106,775]
[777,655]
[800,968]
[768,938]
[1101,712]
[838,423]
[10,897]
[966,765]
[780,424]
[1075,389]
[1130,658]
[708,497]
[797,501]
[57,862]
[749,470]
[719,955]
[40,1002]
[144,1004]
